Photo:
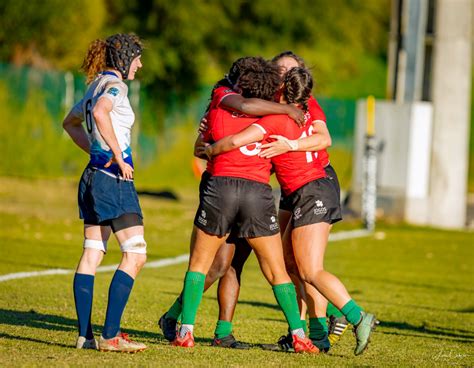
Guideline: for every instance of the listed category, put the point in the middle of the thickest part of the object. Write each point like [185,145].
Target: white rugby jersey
[107,85]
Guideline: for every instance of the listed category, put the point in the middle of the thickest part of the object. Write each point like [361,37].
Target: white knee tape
[96,244]
[135,244]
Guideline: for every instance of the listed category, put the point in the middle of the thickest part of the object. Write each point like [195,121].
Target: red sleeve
[272,124]
[221,92]
[315,110]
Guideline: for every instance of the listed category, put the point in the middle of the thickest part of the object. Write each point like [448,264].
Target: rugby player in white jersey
[108,201]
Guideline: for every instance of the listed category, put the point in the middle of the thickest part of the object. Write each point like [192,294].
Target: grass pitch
[417,281]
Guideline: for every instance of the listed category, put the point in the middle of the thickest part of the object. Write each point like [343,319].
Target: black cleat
[284,343]
[229,342]
[322,344]
[169,327]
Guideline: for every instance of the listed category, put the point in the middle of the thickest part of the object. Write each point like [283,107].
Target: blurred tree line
[192,43]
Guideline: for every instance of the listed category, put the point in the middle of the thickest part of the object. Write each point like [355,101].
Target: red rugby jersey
[242,162]
[217,96]
[317,113]
[294,168]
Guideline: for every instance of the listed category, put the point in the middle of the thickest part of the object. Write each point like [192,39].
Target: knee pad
[96,244]
[135,244]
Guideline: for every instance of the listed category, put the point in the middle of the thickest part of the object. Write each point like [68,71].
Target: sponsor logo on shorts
[202,218]
[297,213]
[320,209]
[274,225]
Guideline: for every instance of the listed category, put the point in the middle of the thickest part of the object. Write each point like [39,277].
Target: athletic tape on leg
[96,244]
[135,244]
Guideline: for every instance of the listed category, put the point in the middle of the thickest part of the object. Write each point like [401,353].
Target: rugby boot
[83,343]
[229,342]
[304,345]
[169,327]
[337,327]
[121,343]
[286,342]
[363,330]
[322,344]
[186,342]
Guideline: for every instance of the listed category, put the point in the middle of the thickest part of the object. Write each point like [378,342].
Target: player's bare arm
[320,139]
[259,107]
[249,135]
[73,126]
[101,115]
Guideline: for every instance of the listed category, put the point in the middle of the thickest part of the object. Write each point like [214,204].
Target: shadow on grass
[51,322]
[378,280]
[464,336]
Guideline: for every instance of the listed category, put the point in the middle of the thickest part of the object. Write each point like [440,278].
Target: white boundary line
[341,235]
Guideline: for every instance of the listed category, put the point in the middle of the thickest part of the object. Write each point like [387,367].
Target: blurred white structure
[424,128]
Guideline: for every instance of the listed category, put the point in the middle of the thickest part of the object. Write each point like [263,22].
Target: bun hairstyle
[298,84]
[116,52]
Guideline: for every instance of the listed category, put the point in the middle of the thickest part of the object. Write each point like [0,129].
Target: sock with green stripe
[192,295]
[223,329]
[318,328]
[285,294]
[352,312]
[333,311]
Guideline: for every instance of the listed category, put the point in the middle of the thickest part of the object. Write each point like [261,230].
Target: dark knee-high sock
[83,287]
[119,291]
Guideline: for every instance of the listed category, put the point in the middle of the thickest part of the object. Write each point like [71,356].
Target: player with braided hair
[310,196]
[241,103]
[107,197]
[238,193]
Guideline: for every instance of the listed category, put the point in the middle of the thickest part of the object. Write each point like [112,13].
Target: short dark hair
[258,78]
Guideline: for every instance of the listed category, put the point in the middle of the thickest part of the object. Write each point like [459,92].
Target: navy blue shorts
[103,197]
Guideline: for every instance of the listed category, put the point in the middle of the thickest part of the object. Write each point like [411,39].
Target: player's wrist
[293,144]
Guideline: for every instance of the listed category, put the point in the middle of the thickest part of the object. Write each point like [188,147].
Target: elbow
[234,143]
[245,106]
[328,142]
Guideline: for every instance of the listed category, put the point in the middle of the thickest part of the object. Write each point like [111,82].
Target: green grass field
[418,281]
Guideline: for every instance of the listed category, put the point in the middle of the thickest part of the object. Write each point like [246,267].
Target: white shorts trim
[96,244]
[135,244]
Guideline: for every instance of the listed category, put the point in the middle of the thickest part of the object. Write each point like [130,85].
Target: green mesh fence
[33,104]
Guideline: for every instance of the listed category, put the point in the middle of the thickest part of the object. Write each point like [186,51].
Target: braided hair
[298,84]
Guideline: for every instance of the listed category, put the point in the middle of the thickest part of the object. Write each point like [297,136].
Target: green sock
[223,329]
[285,294]
[304,326]
[352,312]
[192,295]
[318,328]
[175,310]
[333,311]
